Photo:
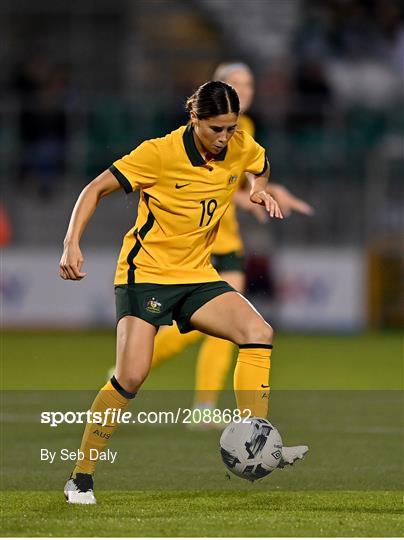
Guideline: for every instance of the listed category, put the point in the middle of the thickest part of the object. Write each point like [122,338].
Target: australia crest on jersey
[153,305]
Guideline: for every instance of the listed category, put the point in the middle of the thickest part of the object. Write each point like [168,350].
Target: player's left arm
[257,165]
[242,200]
[259,193]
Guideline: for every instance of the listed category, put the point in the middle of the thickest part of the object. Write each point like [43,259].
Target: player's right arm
[72,259]
[137,170]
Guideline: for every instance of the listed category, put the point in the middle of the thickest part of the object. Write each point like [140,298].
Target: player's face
[243,83]
[214,133]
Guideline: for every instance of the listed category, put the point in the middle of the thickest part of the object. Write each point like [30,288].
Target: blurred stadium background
[84,82]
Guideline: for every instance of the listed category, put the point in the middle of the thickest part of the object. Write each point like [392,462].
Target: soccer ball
[251,448]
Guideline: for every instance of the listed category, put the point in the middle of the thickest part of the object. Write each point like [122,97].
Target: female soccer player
[215,355]
[186,180]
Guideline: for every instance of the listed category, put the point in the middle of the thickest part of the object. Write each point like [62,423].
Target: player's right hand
[71,263]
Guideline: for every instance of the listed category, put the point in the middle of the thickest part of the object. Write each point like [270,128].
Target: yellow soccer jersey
[182,201]
[228,238]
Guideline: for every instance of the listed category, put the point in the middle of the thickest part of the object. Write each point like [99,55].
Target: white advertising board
[316,290]
[33,294]
[320,289]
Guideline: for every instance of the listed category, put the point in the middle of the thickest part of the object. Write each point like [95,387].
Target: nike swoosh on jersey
[178,186]
[264,386]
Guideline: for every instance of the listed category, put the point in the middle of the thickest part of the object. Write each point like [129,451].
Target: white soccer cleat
[79,490]
[290,454]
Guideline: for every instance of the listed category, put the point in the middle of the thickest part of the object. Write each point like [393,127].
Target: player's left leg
[230,316]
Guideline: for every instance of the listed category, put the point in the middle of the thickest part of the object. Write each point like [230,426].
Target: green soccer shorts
[162,304]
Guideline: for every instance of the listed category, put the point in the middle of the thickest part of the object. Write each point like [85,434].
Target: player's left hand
[265,199]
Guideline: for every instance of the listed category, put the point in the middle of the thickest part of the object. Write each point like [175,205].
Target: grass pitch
[339,394]
[206,514]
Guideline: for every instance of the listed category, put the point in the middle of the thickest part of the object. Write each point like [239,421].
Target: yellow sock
[215,356]
[170,341]
[96,437]
[251,379]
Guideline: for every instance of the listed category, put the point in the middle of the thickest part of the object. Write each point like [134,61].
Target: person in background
[215,355]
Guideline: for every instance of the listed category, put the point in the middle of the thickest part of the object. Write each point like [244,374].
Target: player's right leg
[169,342]
[134,350]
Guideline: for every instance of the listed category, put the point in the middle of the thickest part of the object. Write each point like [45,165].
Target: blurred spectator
[5,227]
[313,95]
[274,92]
[312,39]
[360,43]
[390,34]
[352,29]
[259,276]
[42,91]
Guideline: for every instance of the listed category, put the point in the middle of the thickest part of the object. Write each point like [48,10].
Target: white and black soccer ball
[251,448]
